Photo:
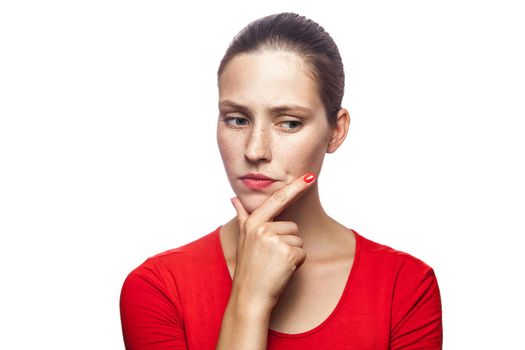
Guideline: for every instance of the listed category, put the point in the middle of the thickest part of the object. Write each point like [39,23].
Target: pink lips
[257,183]
[257,180]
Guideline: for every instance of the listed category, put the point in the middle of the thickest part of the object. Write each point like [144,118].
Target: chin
[252,201]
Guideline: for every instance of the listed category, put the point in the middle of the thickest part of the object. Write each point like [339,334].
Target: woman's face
[271,122]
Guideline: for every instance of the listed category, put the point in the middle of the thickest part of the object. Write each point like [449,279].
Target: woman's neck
[308,214]
[320,233]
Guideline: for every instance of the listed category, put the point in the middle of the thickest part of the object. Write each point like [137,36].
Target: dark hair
[292,32]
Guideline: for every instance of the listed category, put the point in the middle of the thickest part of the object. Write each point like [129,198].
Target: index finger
[281,199]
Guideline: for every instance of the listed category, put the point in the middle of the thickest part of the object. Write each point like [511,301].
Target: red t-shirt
[176,300]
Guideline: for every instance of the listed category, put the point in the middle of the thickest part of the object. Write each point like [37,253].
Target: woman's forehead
[278,65]
[269,76]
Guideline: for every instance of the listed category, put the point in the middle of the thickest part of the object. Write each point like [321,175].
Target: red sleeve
[416,308]
[150,318]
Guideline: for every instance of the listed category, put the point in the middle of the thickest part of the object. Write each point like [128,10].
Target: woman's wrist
[250,306]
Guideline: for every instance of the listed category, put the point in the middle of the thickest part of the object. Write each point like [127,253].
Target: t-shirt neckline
[334,311]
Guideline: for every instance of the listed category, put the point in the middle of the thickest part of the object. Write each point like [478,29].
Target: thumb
[242,214]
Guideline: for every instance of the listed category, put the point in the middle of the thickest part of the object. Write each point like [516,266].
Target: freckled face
[254,136]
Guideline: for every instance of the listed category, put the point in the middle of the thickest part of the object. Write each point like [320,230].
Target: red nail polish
[309,177]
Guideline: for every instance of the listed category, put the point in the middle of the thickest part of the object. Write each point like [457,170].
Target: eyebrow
[275,109]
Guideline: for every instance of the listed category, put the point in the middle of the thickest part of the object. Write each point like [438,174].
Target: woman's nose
[258,144]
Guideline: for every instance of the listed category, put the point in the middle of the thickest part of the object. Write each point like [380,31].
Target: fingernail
[309,177]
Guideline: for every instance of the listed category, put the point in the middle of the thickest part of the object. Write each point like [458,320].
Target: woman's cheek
[226,143]
[300,151]
[231,153]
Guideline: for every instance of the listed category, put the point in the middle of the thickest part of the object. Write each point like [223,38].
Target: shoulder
[192,249]
[412,293]
[153,299]
[386,257]
[395,270]
[180,261]
[411,288]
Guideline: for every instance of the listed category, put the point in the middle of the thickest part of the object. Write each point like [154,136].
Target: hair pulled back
[288,31]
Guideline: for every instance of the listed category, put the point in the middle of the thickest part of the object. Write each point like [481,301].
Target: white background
[108,152]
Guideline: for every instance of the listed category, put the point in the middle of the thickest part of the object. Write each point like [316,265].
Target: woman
[281,274]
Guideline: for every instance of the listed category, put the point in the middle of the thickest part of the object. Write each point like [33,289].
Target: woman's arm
[150,320]
[244,325]
[416,321]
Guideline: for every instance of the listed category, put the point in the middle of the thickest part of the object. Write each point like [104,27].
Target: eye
[228,119]
[294,122]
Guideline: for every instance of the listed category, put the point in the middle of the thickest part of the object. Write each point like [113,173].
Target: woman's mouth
[257,183]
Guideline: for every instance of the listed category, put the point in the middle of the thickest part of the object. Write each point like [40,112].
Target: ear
[339,131]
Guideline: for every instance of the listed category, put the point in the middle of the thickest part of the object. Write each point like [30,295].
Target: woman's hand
[268,252]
